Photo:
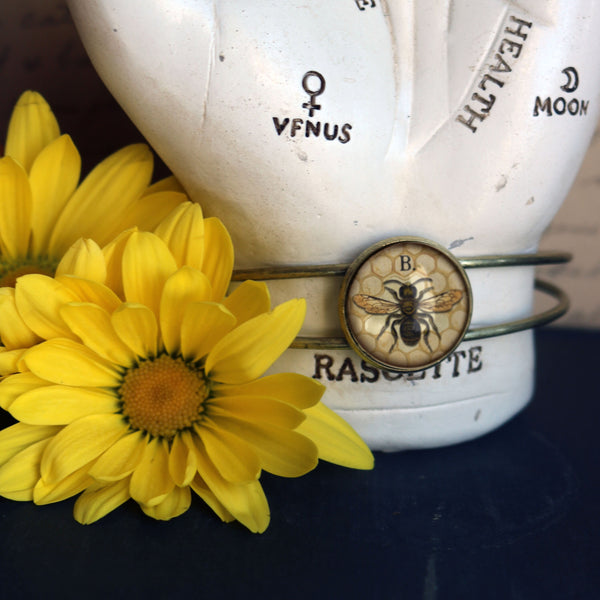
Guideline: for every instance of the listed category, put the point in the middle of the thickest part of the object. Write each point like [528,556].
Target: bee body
[409,314]
[410,331]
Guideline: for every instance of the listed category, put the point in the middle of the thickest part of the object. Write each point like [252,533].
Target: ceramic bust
[315,129]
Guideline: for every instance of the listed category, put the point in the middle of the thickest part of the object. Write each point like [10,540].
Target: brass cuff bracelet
[405,303]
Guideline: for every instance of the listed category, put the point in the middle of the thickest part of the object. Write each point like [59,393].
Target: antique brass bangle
[488,261]
[339,269]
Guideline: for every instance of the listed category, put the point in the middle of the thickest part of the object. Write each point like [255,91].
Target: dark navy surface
[513,515]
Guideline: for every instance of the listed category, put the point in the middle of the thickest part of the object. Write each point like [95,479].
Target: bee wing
[442,302]
[374,305]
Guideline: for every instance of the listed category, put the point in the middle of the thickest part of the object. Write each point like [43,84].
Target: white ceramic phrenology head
[315,129]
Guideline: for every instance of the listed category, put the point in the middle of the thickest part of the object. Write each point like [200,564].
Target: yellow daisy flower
[43,207]
[160,394]
[190,239]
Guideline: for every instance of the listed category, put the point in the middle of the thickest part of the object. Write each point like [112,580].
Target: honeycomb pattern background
[388,264]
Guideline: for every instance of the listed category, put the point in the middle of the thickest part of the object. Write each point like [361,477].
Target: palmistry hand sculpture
[315,129]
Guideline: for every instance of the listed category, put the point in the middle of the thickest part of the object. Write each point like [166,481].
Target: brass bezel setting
[349,278]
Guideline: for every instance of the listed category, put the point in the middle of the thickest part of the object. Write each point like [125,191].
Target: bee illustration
[408,315]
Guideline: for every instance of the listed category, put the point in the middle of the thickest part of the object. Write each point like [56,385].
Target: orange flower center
[10,271]
[163,396]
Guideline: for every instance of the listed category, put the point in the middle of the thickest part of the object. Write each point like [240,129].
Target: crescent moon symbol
[572,80]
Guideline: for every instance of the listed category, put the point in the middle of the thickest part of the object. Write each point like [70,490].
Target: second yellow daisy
[44,208]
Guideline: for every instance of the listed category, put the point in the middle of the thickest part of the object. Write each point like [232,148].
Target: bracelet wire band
[340,269]
[488,261]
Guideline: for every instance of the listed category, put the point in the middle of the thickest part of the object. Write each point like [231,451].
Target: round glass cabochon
[406,304]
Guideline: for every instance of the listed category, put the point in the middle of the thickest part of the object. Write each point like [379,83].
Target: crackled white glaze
[314,129]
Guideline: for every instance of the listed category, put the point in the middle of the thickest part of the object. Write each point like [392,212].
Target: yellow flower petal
[183,232]
[9,360]
[175,504]
[234,459]
[336,440]
[32,126]
[168,184]
[87,290]
[249,300]
[22,471]
[250,349]
[218,257]
[72,484]
[147,264]
[113,255]
[148,210]
[246,502]
[53,178]
[97,501]
[17,437]
[136,325]
[298,390]
[13,386]
[15,209]
[185,286]
[202,326]
[200,487]
[20,495]
[61,405]
[67,362]
[256,409]
[150,482]
[14,332]
[281,451]
[182,462]
[39,299]
[79,443]
[93,325]
[120,459]
[84,259]
[96,207]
